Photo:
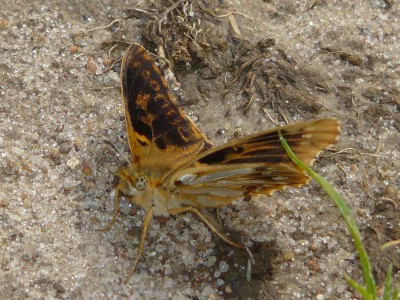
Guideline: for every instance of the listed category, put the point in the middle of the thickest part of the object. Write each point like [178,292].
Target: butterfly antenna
[116,150]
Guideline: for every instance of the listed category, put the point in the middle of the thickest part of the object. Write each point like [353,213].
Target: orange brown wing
[157,127]
[254,164]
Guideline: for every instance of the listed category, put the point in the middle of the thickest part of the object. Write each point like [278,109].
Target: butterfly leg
[145,227]
[181,210]
[116,209]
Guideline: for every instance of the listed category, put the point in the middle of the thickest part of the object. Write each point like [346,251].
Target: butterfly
[174,167]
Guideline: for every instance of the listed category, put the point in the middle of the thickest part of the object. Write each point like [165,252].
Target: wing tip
[331,126]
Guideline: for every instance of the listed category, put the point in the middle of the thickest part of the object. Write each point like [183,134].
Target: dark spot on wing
[221,155]
[161,143]
[136,116]
[175,138]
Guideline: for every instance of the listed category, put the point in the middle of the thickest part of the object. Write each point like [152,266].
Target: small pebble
[73,163]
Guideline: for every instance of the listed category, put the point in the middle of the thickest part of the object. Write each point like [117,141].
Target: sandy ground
[56,172]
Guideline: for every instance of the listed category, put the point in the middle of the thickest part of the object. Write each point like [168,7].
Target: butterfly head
[140,188]
[131,182]
[140,183]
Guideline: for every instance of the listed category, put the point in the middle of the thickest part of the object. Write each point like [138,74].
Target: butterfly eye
[140,183]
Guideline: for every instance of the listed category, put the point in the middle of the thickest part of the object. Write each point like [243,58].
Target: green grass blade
[396,294]
[360,289]
[346,213]
[389,244]
[388,283]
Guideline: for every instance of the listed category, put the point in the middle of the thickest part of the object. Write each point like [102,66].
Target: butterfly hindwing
[255,164]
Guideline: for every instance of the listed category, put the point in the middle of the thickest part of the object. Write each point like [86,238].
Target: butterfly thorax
[143,189]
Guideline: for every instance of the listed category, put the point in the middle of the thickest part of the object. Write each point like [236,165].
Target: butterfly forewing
[255,164]
[157,127]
